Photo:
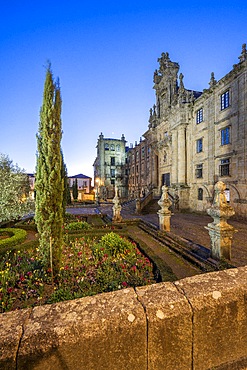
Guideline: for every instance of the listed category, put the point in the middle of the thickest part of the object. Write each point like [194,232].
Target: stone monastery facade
[194,139]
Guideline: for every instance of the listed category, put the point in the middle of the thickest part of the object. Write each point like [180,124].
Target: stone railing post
[221,233]
[164,213]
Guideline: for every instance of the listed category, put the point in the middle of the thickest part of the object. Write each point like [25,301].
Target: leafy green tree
[15,201]
[75,189]
[49,183]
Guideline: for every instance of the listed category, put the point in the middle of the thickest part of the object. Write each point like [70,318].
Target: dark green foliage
[15,201]
[79,225]
[13,237]
[75,190]
[66,191]
[67,195]
[49,183]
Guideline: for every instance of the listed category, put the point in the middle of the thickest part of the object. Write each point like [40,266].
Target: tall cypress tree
[49,184]
[75,189]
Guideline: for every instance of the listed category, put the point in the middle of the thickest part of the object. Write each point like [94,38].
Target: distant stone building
[31,178]
[110,167]
[138,170]
[84,186]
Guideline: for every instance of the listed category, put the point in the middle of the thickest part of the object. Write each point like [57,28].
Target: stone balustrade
[196,323]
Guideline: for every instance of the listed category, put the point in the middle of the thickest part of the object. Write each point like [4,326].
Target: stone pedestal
[116,208]
[138,206]
[164,213]
[220,232]
[221,241]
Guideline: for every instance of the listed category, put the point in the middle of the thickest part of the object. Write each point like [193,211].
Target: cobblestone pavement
[190,226]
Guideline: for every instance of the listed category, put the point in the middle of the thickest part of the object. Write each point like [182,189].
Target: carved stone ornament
[164,213]
[221,233]
[116,208]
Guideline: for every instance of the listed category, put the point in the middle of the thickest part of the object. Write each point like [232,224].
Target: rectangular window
[225,167]
[199,145]
[166,179]
[112,161]
[225,136]
[199,172]
[200,194]
[224,99]
[199,116]
[112,172]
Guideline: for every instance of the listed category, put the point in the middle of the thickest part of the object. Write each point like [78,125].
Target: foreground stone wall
[195,323]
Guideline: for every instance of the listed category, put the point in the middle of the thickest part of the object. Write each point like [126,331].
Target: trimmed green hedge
[16,236]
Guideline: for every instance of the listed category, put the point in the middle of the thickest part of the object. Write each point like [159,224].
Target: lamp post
[97,191]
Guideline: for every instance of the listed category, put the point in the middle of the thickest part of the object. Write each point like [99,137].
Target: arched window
[200,194]
[118,148]
[106,146]
[112,147]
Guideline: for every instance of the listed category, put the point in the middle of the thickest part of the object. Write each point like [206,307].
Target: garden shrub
[78,225]
[114,244]
[26,224]
[16,236]
[69,217]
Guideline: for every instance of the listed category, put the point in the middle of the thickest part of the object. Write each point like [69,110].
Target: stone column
[164,213]
[174,170]
[181,155]
[221,233]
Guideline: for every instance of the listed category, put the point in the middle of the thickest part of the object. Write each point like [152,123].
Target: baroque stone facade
[195,139]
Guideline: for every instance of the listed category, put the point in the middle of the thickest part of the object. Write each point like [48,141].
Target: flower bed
[89,266]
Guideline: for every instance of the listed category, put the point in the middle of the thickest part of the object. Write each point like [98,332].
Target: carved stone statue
[212,81]
[243,55]
[221,233]
[164,213]
[116,208]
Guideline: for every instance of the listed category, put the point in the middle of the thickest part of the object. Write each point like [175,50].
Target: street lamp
[97,191]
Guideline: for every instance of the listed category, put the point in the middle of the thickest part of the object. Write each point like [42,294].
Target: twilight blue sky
[105,53]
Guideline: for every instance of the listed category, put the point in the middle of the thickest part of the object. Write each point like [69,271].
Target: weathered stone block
[11,330]
[169,325]
[106,331]
[219,305]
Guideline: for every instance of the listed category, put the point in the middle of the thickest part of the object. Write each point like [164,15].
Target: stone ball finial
[220,186]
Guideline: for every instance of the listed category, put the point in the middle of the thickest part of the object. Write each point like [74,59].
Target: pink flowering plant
[89,266]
